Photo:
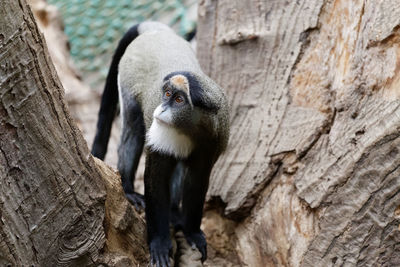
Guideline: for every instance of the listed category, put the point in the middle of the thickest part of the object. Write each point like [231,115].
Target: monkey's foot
[198,239]
[136,199]
[160,250]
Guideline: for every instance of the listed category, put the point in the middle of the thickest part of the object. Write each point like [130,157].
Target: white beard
[166,139]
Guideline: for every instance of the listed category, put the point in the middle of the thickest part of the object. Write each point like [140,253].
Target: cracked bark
[58,206]
[310,177]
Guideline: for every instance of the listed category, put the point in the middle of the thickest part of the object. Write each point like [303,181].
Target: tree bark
[311,175]
[54,208]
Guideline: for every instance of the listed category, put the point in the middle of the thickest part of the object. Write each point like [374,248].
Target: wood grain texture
[51,195]
[311,172]
[124,227]
[83,102]
[58,206]
[256,72]
[351,174]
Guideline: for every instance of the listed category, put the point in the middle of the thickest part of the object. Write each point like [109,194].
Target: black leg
[130,149]
[177,179]
[157,176]
[194,191]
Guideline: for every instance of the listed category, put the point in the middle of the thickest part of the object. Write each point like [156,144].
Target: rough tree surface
[83,102]
[52,192]
[311,175]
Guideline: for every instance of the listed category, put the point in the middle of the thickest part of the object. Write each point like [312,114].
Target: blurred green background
[94,28]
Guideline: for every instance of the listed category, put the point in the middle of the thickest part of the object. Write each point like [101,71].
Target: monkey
[178,116]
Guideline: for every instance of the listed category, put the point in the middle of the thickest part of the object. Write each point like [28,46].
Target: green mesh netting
[94,27]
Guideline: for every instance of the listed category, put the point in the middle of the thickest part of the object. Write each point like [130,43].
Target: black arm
[195,187]
[157,178]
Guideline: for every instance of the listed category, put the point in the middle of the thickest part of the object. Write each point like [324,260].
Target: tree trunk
[52,192]
[311,175]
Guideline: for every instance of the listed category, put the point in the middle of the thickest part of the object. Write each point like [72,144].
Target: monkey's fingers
[159,252]
[198,240]
[165,261]
[137,200]
[160,260]
[203,251]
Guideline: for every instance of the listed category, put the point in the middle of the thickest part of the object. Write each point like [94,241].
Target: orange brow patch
[181,82]
[178,80]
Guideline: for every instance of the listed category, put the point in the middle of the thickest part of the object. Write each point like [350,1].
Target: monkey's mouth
[162,122]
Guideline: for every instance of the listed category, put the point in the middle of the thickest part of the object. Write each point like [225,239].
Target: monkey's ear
[203,101]
[200,96]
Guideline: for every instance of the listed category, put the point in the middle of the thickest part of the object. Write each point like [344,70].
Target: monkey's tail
[109,99]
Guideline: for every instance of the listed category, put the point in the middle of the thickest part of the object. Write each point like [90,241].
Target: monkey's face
[176,109]
[172,120]
[184,119]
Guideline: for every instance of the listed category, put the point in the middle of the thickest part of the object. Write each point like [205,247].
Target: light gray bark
[311,175]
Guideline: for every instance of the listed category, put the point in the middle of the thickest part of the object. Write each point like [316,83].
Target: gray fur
[155,53]
[154,26]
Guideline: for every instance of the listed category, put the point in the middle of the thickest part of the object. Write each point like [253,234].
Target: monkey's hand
[198,239]
[136,199]
[160,250]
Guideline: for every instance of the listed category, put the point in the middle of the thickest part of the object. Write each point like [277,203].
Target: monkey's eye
[179,99]
[167,93]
